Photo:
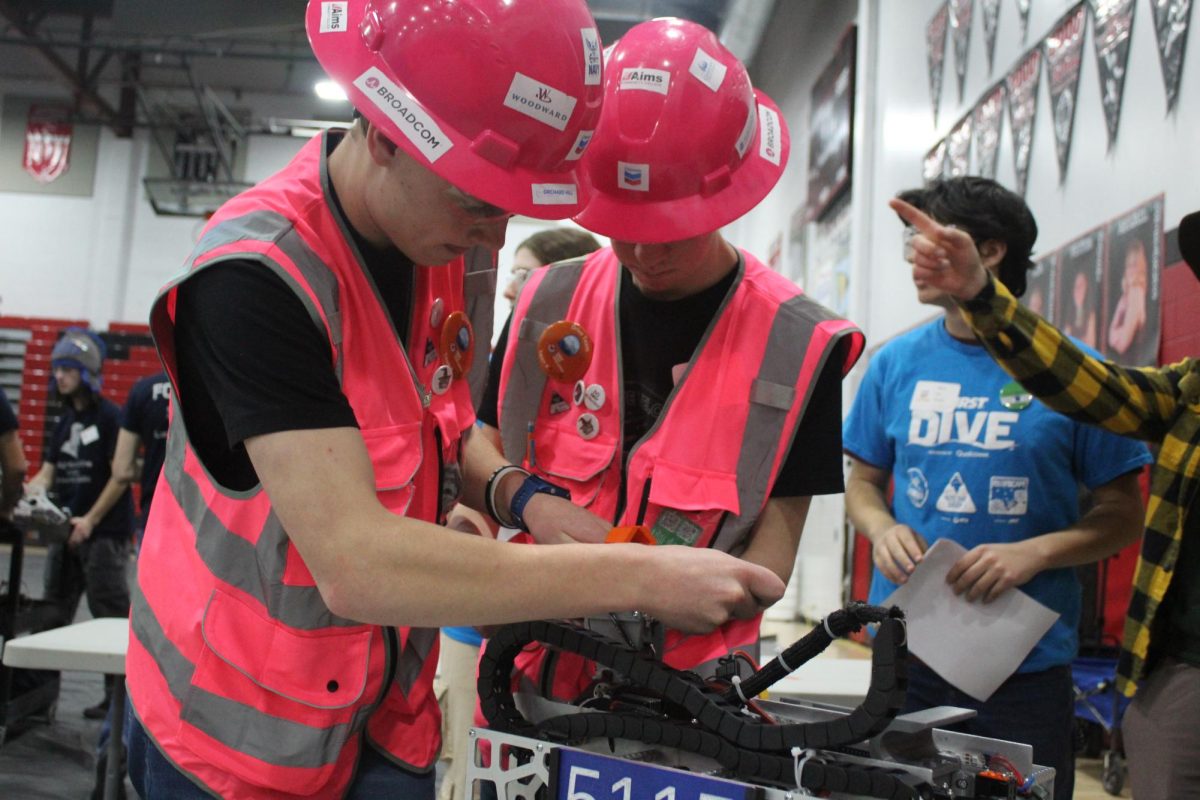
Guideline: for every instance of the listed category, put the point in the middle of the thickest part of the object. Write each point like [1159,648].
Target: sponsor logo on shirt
[1008,496]
[955,499]
[940,416]
[412,120]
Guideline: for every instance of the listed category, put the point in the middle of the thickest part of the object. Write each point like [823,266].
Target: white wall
[103,258]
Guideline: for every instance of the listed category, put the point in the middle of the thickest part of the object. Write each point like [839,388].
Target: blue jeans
[1035,708]
[156,778]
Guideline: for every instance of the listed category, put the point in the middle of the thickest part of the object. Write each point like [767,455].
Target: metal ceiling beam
[175,46]
[84,93]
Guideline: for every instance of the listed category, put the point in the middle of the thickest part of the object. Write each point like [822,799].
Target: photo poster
[831,124]
[1080,279]
[1041,287]
[1132,282]
[1171,21]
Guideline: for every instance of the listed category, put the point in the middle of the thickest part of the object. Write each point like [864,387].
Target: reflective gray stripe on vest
[239,727]
[270,226]
[772,396]
[479,290]
[412,659]
[527,381]
[256,569]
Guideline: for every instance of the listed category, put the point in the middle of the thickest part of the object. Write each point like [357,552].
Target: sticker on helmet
[555,194]
[708,70]
[591,56]
[633,176]
[768,143]
[334,17]
[417,126]
[581,143]
[650,80]
[747,134]
[544,103]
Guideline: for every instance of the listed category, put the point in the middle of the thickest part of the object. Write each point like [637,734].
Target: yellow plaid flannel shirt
[1160,405]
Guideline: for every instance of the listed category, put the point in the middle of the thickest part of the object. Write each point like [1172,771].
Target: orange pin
[457,345]
[565,351]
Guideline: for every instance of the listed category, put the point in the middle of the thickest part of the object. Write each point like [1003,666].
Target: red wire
[1008,765]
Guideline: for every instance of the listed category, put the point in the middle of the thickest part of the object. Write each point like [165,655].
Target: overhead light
[328,90]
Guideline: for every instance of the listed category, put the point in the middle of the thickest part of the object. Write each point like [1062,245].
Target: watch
[531,486]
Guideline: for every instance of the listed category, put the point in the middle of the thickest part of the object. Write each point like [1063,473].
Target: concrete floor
[55,760]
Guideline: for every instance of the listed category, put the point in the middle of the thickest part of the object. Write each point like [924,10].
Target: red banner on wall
[47,143]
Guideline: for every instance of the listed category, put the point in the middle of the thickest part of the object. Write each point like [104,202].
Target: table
[97,645]
[837,681]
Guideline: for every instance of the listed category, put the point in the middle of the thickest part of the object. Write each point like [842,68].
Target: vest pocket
[564,457]
[686,504]
[396,453]
[272,704]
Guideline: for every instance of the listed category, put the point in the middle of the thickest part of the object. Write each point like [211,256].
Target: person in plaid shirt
[1160,656]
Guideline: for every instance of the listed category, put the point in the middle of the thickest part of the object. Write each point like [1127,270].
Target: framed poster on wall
[831,125]
[1132,270]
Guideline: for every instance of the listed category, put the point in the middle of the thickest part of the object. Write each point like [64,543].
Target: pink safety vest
[704,472]
[236,667]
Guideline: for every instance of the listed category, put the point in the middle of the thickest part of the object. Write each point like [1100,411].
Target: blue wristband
[532,485]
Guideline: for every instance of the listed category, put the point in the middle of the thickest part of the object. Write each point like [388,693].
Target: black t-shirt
[8,419]
[81,450]
[657,335]
[252,361]
[145,413]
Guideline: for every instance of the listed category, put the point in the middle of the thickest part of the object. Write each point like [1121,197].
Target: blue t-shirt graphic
[976,459]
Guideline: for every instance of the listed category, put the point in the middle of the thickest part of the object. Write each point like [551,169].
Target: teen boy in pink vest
[709,409]
[319,347]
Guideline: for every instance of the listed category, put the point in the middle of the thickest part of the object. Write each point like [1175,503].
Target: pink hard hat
[685,144]
[499,97]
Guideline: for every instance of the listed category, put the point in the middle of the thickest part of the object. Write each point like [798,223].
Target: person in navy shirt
[76,468]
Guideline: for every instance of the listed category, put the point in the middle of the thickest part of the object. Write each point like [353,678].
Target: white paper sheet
[975,646]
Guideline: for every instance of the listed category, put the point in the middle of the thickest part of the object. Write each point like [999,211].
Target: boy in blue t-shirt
[975,459]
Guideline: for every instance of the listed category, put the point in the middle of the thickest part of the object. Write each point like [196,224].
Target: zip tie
[799,767]
[825,623]
[737,684]
[785,664]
